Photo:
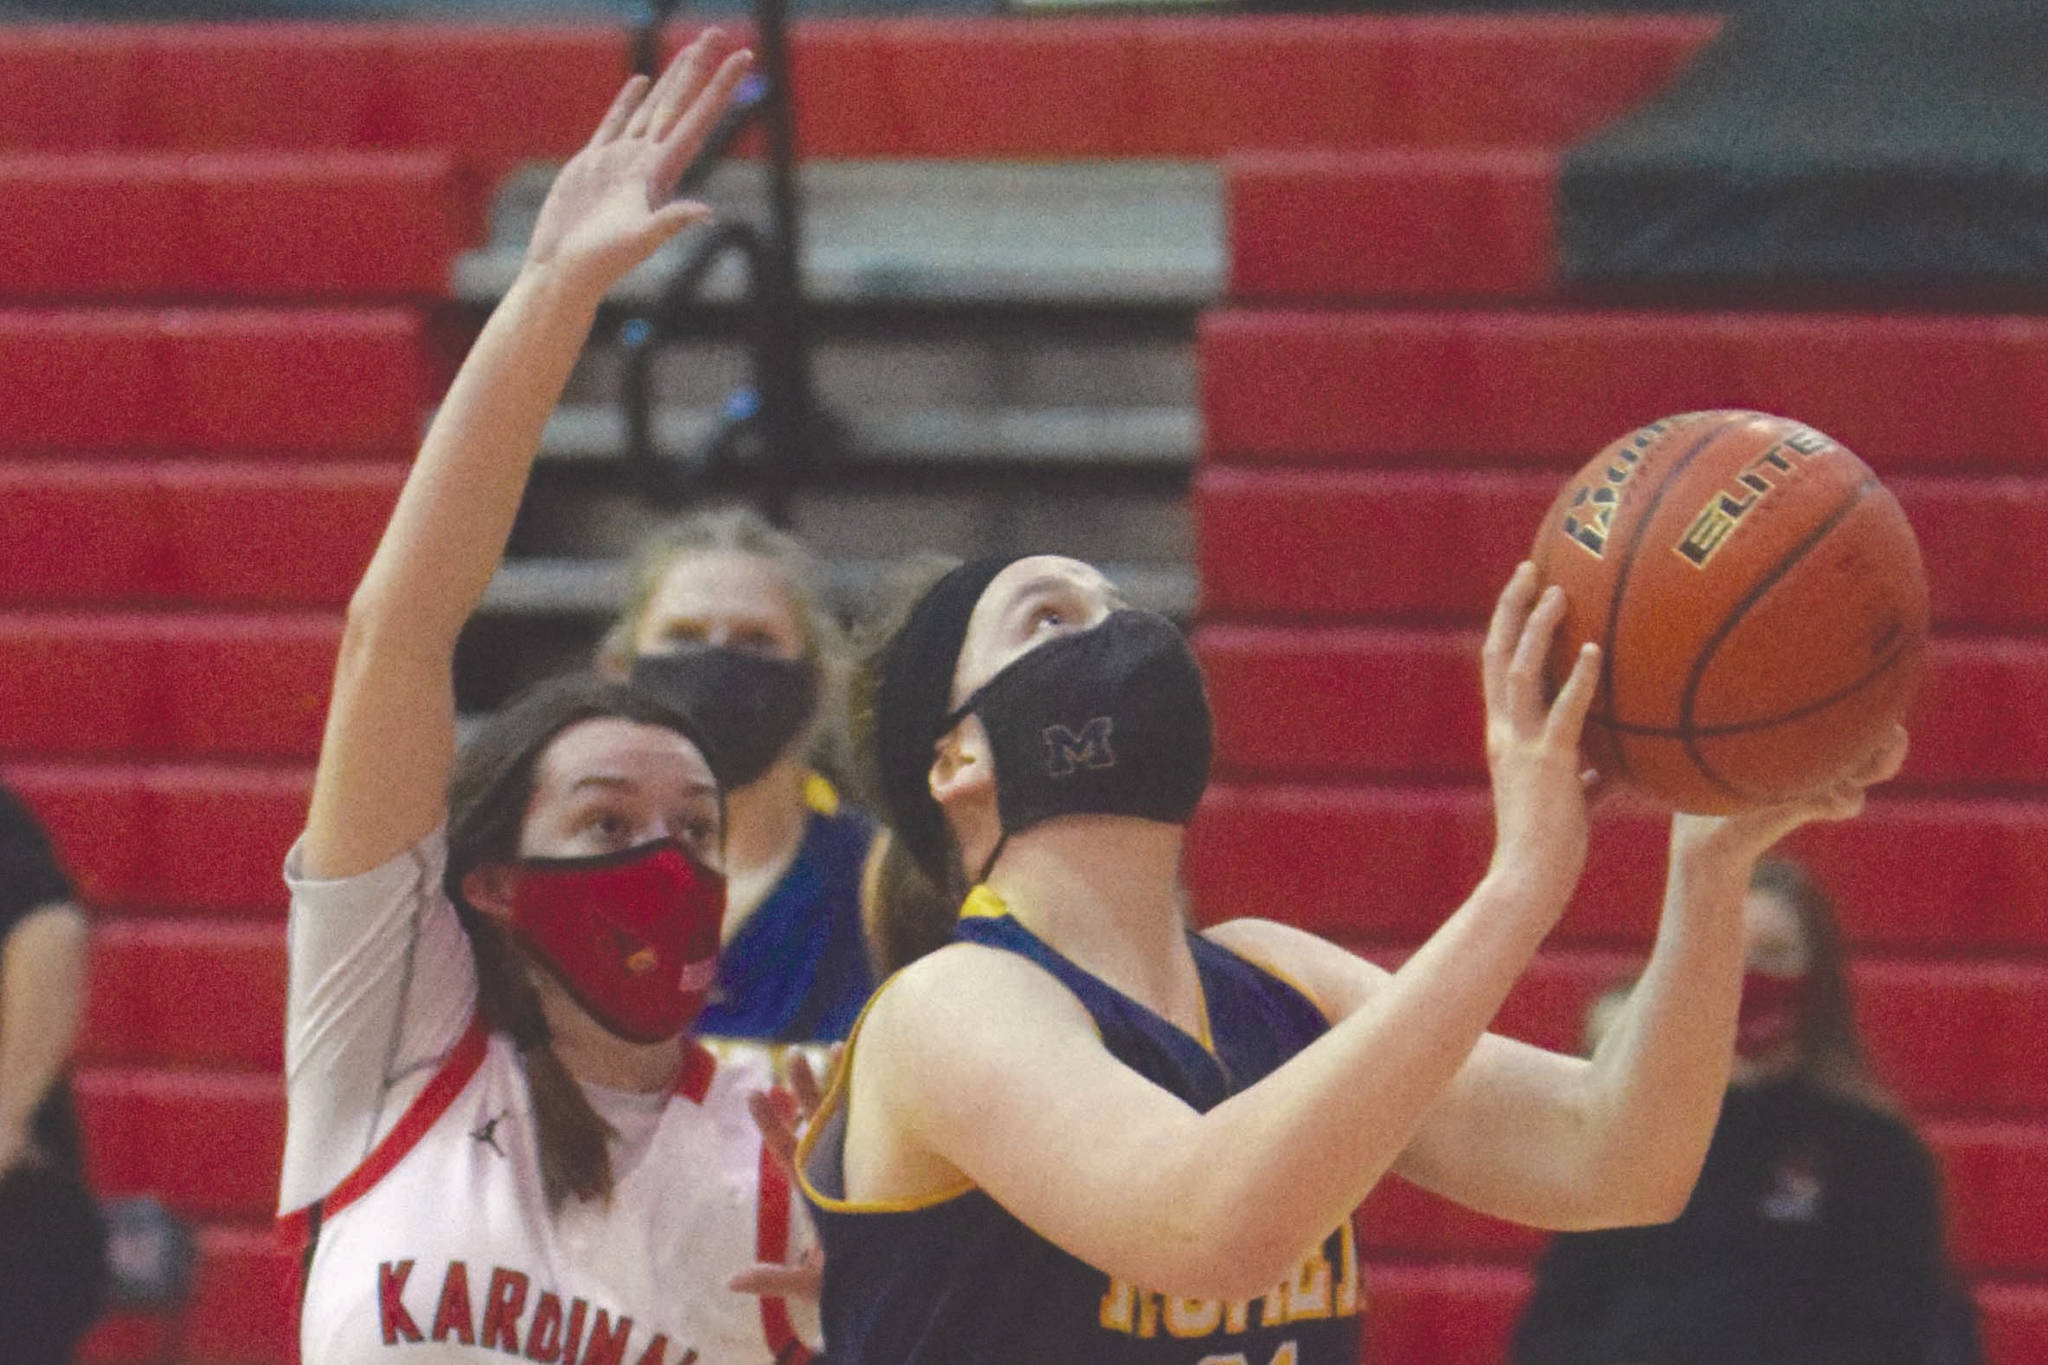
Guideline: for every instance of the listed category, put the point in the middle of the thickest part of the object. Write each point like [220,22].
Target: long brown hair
[1830,1049]
[904,913]
[488,794]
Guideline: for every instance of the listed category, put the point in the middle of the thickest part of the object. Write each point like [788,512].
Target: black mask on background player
[750,706]
[1106,721]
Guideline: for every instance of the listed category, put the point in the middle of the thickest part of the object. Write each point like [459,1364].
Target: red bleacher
[1392,397]
[220,254]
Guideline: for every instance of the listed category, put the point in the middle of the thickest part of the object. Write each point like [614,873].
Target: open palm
[609,208]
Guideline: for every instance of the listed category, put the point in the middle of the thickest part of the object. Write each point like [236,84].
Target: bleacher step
[1359,703]
[1548,388]
[1071,438]
[170,839]
[1392,224]
[1434,546]
[1123,234]
[246,225]
[596,587]
[1351,860]
[271,383]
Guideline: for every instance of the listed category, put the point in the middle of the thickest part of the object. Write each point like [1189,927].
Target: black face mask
[1106,721]
[749,706]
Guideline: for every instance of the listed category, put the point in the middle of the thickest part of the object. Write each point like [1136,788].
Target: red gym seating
[170,838]
[254,226]
[1392,398]
[892,88]
[198,992]
[215,311]
[1550,388]
[303,532]
[1403,705]
[1432,546]
[213,383]
[1394,223]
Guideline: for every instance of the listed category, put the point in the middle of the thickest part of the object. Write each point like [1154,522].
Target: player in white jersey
[501,1139]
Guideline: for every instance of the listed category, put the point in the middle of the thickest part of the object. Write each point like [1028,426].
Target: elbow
[1646,1196]
[376,630]
[1231,1257]
[1662,1199]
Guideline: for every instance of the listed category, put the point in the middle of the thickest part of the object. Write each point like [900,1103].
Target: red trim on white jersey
[700,1068]
[457,1069]
[771,1247]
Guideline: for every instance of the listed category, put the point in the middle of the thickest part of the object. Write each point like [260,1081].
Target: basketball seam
[1749,726]
[1626,565]
[1688,735]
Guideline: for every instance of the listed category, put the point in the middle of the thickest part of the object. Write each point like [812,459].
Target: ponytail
[903,914]
[574,1141]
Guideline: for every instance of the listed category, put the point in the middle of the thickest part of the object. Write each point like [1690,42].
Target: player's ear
[962,764]
[489,888]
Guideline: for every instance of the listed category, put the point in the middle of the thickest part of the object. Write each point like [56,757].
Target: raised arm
[995,1073]
[1563,1143]
[390,735]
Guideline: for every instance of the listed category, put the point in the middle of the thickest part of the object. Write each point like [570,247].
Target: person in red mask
[1814,1234]
[501,1137]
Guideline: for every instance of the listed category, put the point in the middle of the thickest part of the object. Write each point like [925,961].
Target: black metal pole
[644,54]
[782,362]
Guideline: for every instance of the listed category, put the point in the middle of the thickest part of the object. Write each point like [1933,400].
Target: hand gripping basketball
[609,207]
[1532,750]
[1751,833]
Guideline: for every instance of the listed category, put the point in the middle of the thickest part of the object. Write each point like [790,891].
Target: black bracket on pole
[773,430]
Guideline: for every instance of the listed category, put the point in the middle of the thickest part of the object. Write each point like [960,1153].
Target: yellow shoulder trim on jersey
[982,903]
[820,795]
[835,1100]
[1203,1033]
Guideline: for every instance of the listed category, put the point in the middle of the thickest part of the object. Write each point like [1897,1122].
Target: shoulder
[414,870]
[962,1006]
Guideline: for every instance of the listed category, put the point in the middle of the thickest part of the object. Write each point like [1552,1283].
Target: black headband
[912,702]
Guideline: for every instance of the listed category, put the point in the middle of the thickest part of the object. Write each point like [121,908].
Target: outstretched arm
[390,735]
[1565,1143]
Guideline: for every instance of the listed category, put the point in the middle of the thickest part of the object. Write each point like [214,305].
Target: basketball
[1759,601]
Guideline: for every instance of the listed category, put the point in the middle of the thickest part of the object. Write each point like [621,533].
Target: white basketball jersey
[440,1248]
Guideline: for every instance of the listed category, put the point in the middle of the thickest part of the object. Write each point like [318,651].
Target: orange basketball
[1759,600]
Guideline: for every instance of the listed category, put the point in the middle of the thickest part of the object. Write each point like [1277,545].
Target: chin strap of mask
[1002,843]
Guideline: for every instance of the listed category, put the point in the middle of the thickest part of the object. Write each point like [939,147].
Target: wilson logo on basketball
[1717,521]
[1591,516]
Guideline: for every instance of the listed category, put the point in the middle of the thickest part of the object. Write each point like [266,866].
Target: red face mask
[633,936]
[1769,1015]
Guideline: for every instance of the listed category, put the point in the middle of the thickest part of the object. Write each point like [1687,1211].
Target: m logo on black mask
[1137,679]
[1066,751]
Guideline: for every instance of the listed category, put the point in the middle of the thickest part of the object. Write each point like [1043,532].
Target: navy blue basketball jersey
[959,1281]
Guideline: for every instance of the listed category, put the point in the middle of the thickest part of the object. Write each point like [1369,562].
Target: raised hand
[1532,751]
[610,208]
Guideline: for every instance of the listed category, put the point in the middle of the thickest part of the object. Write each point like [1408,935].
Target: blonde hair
[741,530]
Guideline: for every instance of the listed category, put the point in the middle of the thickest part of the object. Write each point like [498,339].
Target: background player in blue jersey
[1083,1133]
[727,623]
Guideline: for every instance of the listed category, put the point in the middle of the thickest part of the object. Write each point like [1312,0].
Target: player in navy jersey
[1081,1132]
[727,623]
